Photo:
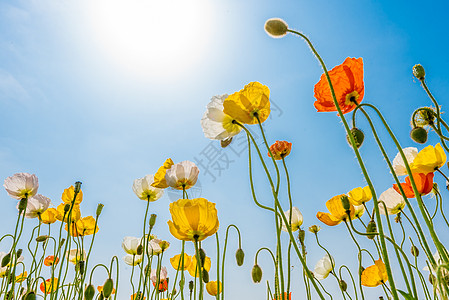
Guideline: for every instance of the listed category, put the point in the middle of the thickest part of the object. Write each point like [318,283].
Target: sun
[157,39]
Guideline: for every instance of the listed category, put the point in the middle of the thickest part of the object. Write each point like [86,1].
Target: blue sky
[103,92]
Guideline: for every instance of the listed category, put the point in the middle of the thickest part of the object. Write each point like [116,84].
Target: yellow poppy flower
[374,275]
[429,159]
[84,226]
[176,261]
[194,219]
[69,194]
[247,103]
[49,216]
[336,212]
[212,287]
[76,213]
[359,195]
[193,266]
[159,177]
[21,277]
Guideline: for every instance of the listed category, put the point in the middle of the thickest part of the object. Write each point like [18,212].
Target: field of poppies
[54,260]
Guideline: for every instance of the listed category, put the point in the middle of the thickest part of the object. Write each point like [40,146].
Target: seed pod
[89,292]
[22,204]
[139,250]
[371,229]
[345,202]
[205,276]
[239,256]
[276,27]
[99,209]
[191,285]
[419,135]
[30,296]
[419,72]
[66,208]
[77,188]
[415,251]
[108,287]
[41,238]
[19,252]
[256,273]
[343,285]
[358,136]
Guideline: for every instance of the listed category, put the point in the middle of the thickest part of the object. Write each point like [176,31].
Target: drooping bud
[30,296]
[6,259]
[345,202]
[41,238]
[61,243]
[202,256]
[415,251]
[419,135]
[99,209]
[89,292]
[19,252]
[239,256]
[77,187]
[358,136]
[343,285]
[191,285]
[181,283]
[152,220]
[419,72]
[256,273]
[101,297]
[205,276]
[276,28]
[66,208]
[80,266]
[371,229]
[139,250]
[361,269]
[108,287]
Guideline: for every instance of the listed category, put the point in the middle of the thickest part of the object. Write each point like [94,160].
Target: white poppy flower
[296,220]
[183,174]
[36,206]
[398,163]
[132,260]
[143,189]
[215,123]
[130,244]
[359,210]
[323,267]
[76,255]
[154,247]
[21,185]
[162,275]
[393,201]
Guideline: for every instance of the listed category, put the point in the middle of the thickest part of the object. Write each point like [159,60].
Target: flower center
[352,98]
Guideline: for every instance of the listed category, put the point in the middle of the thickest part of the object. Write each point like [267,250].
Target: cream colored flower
[76,255]
[393,201]
[182,175]
[143,189]
[359,210]
[130,244]
[21,185]
[154,247]
[398,163]
[36,206]
[132,260]
[162,275]
[296,220]
[323,267]
[215,123]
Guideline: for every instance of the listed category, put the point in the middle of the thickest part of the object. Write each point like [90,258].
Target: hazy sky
[104,91]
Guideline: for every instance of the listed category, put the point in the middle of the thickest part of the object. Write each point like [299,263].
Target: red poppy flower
[280,149]
[51,260]
[163,285]
[424,184]
[347,80]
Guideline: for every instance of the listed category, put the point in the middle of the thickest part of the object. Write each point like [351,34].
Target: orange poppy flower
[336,212]
[49,287]
[347,80]
[51,260]
[138,296]
[280,297]
[424,184]
[163,285]
[280,149]
[100,289]
[374,275]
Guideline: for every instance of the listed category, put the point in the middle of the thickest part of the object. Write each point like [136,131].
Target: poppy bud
[415,251]
[139,250]
[358,136]
[152,220]
[61,243]
[80,266]
[101,297]
[77,187]
[10,295]
[345,202]
[202,256]
[256,273]
[419,135]
[181,283]
[41,238]
[66,208]
[191,285]
[19,252]
[205,276]
[6,259]
[99,209]
[89,292]
[30,296]
[22,204]
[343,285]
[371,229]
[108,287]
[239,256]
[361,269]
[276,27]
[301,236]
[418,71]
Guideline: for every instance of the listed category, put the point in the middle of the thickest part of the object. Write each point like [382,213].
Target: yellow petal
[159,177]
[327,219]
[69,194]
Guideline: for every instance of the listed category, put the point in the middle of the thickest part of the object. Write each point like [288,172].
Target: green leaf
[406,295]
